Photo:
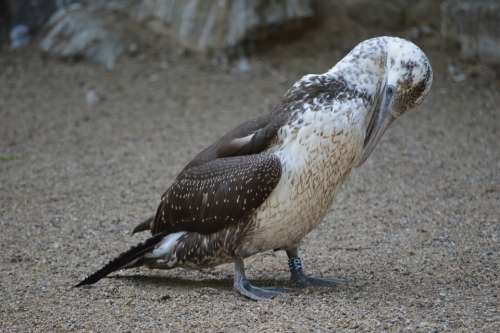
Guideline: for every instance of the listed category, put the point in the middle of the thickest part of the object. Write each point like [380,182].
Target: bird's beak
[381,119]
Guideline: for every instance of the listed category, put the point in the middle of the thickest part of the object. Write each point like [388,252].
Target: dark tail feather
[123,259]
[146,225]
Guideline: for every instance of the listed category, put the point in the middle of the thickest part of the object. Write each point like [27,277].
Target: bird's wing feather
[220,147]
[251,137]
[216,194]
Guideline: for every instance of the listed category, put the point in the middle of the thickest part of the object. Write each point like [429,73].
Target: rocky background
[103,102]
[97,29]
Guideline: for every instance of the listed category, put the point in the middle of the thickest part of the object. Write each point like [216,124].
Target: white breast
[317,152]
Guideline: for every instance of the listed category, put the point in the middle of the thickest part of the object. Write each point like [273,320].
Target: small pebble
[91,98]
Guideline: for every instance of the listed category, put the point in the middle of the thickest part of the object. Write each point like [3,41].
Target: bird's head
[399,75]
[409,75]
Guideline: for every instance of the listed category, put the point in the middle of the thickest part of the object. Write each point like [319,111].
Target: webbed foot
[301,280]
[245,288]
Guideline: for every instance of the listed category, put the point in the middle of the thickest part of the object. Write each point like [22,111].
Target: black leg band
[295,264]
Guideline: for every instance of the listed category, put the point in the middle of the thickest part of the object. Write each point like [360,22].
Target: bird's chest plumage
[316,157]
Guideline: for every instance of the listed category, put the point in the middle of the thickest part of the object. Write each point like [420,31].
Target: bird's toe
[257,293]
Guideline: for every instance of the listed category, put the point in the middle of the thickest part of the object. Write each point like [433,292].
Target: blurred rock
[393,15]
[335,22]
[423,13]
[415,33]
[474,24]
[381,13]
[482,71]
[91,98]
[133,49]
[25,17]
[31,13]
[456,73]
[243,66]
[204,25]
[19,36]
[77,33]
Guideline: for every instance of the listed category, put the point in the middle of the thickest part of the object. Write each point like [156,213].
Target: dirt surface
[416,228]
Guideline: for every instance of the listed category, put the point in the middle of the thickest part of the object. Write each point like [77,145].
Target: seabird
[267,183]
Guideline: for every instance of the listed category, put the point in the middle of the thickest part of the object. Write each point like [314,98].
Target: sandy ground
[416,228]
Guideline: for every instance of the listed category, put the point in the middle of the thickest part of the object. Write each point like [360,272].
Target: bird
[271,180]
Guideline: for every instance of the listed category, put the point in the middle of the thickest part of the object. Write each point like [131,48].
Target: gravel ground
[416,228]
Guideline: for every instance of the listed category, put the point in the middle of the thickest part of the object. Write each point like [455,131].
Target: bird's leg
[243,286]
[300,279]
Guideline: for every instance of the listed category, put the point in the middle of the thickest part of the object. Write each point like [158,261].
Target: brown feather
[217,194]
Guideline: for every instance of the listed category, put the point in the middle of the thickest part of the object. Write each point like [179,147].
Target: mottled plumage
[217,194]
[270,181]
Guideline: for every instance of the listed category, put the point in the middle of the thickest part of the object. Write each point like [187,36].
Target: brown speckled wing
[208,197]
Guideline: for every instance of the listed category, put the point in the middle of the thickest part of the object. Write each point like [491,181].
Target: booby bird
[267,183]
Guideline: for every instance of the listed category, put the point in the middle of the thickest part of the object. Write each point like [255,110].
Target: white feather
[166,247]
[315,159]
